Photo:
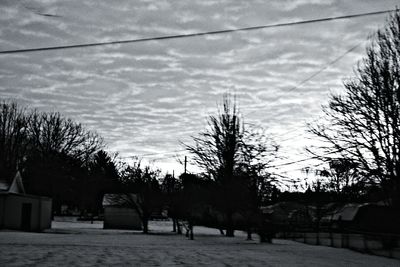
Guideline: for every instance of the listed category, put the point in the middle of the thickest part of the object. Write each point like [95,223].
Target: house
[367,217]
[119,212]
[285,215]
[21,211]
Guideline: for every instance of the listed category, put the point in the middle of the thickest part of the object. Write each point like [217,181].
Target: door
[26,214]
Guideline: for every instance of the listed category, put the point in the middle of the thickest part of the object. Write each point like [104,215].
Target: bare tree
[141,191]
[52,151]
[232,156]
[102,178]
[363,124]
[171,188]
[343,178]
[53,133]
[13,138]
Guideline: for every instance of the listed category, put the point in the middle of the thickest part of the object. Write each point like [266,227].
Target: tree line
[57,157]
[361,127]
[361,135]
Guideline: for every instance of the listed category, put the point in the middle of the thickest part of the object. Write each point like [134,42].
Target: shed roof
[16,186]
[347,213]
[119,199]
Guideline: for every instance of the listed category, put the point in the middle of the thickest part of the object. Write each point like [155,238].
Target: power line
[167,37]
[301,160]
[164,158]
[155,154]
[280,135]
[292,162]
[325,67]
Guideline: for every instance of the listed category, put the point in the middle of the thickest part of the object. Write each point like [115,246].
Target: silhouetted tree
[253,190]
[13,138]
[363,124]
[171,188]
[52,152]
[58,159]
[343,179]
[141,191]
[102,178]
[51,133]
[224,148]
[197,198]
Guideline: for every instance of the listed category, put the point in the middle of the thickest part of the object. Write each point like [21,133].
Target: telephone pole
[185,163]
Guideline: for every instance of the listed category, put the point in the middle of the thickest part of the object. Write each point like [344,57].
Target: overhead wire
[325,67]
[154,154]
[301,160]
[215,33]
[270,166]
[189,35]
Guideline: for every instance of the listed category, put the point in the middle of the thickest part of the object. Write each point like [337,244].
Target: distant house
[119,214]
[365,217]
[20,211]
[285,214]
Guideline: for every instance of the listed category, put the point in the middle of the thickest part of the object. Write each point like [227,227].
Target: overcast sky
[146,98]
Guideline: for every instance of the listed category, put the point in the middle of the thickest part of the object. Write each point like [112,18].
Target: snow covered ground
[86,244]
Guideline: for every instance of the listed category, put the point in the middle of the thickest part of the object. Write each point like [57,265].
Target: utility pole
[185,163]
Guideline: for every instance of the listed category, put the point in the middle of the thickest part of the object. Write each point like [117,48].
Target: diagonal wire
[159,38]
[155,154]
[325,67]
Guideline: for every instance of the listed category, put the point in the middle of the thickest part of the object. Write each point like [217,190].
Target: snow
[86,244]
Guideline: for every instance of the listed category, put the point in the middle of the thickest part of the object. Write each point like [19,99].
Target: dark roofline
[24,195]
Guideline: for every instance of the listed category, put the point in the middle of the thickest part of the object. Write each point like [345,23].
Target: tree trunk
[265,232]
[179,227]
[230,232]
[173,225]
[263,238]
[191,231]
[249,234]
[145,225]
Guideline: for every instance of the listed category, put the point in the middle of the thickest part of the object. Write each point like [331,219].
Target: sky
[146,99]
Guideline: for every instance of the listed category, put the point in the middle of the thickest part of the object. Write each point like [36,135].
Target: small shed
[119,213]
[21,211]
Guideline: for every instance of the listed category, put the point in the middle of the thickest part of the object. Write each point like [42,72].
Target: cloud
[289,5]
[146,97]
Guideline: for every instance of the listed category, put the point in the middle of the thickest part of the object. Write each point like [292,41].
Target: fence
[379,244]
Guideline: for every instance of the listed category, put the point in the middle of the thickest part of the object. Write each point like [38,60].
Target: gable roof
[16,186]
[348,212]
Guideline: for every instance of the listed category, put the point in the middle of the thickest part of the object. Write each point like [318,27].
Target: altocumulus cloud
[146,97]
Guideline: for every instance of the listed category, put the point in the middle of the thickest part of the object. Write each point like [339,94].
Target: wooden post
[185,164]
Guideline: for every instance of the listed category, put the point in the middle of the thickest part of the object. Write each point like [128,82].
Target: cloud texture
[147,97]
